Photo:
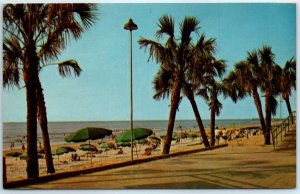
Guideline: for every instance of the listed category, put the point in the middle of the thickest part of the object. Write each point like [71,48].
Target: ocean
[16,132]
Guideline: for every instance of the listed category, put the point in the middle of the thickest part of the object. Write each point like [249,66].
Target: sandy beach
[244,163]
[16,168]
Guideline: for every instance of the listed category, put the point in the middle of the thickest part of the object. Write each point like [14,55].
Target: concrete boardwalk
[243,164]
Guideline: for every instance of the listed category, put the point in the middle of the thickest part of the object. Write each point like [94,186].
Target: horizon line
[138,120]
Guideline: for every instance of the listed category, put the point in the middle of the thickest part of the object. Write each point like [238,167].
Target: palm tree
[203,66]
[288,81]
[178,64]
[245,79]
[40,32]
[11,77]
[270,85]
[210,93]
[258,71]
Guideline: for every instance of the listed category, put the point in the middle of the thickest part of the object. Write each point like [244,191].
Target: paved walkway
[237,166]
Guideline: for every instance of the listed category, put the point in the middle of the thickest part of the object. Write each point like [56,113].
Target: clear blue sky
[102,91]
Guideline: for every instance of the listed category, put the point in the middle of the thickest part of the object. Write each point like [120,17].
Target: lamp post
[131,26]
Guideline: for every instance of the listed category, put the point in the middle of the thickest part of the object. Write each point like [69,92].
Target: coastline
[16,168]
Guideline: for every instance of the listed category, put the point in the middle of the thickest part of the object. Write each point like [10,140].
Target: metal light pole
[131,26]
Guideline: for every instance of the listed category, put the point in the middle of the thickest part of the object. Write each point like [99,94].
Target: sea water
[16,131]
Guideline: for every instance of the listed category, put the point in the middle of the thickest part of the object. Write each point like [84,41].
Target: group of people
[221,133]
[12,146]
[234,134]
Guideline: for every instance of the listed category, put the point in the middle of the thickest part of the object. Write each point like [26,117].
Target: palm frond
[11,76]
[156,50]
[69,68]
[203,92]
[162,84]
[273,104]
[87,13]
[166,26]
[267,57]
[218,106]
[189,25]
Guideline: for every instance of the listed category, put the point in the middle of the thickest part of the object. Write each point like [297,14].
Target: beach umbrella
[180,135]
[107,146]
[88,147]
[193,135]
[138,133]
[24,156]
[88,133]
[142,141]
[124,144]
[13,154]
[63,150]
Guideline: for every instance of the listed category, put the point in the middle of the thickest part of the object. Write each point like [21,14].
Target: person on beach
[11,146]
[23,147]
[120,151]
[217,135]
[224,134]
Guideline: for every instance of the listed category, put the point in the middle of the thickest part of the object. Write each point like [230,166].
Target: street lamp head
[130,25]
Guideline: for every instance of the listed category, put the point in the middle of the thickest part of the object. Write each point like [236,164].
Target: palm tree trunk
[42,118]
[259,110]
[175,98]
[268,119]
[191,98]
[212,125]
[30,76]
[287,101]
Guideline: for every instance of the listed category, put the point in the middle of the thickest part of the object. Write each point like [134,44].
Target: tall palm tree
[258,71]
[270,85]
[204,65]
[245,79]
[288,81]
[175,59]
[41,31]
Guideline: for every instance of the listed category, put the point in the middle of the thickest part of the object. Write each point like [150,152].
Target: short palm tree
[39,32]
[210,92]
[177,61]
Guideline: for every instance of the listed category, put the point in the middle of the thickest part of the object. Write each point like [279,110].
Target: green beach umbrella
[24,156]
[123,144]
[88,133]
[193,135]
[88,147]
[180,135]
[138,133]
[62,150]
[142,141]
[107,146]
[13,154]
